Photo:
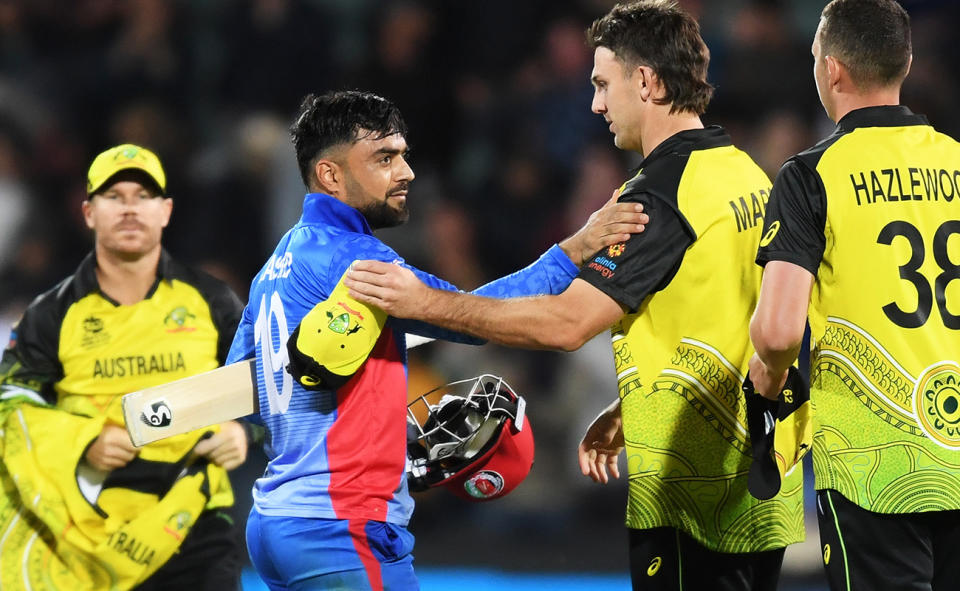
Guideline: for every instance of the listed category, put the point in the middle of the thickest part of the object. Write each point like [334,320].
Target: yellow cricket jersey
[68,526]
[873,212]
[80,350]
[681,352]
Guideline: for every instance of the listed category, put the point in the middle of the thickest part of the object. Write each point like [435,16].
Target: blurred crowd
[508,156]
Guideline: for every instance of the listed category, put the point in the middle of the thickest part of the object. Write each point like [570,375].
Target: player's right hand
[388,286]
[111,449]
[602,444]
[765,383]
[611,224]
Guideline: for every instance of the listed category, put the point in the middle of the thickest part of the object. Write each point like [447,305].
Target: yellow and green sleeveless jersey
[873,212]
[77,349]
[681,351]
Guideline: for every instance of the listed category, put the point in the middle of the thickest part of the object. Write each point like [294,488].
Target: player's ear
[87,209]
[329,176]
[646,82]
[167,210]
[835,71]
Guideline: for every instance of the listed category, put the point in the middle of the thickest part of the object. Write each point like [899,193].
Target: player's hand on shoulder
[111,449]
[393,288]
[601,445]
[611,224]
[226,448]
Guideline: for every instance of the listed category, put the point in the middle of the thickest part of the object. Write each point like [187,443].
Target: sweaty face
[615,97]
[377,178]
[127,219]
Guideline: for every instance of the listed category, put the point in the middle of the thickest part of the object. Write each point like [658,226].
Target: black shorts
[210,558]
[666,559]
[863,550]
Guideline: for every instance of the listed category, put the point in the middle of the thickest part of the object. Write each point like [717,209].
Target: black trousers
[210,558]
[866,551]
[666,559]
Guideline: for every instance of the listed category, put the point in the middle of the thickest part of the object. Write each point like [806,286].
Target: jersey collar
[85,278]
[880,116]
[686,141]
[320,208]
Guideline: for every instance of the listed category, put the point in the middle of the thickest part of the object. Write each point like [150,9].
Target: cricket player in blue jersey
[331,510]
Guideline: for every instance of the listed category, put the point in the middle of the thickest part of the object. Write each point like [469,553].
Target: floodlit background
[508,158]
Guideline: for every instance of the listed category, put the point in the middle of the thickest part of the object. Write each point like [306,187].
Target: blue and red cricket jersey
[341,454]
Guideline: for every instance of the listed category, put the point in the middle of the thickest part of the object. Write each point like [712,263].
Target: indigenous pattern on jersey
[681,352]
[65,525]
[341,453]
[873,212]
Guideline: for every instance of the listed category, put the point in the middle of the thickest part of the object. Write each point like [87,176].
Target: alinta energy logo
[179,320]
[615,250]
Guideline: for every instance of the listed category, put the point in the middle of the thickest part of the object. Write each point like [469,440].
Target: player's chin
[400,212]
[132,247]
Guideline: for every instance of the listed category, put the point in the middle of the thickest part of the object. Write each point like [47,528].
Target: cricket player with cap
[82,508]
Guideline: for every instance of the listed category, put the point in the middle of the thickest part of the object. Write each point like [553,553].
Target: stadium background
[508,159]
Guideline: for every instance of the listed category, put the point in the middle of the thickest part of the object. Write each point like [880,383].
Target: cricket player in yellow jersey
[678,298]
[862,234]
[81,508]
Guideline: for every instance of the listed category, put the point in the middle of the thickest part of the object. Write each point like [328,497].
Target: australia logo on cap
[340,323]
[484,484]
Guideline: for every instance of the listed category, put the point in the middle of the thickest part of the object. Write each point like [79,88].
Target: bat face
[216,396]
[209,398]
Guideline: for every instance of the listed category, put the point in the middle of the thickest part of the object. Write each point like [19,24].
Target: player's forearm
[776,347]
[778,323]
[530,323]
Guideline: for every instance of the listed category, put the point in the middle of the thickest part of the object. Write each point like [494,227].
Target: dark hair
[660,35]
[870,37]
[338,118]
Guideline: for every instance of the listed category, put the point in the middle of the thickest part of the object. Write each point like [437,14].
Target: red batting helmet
[475,440]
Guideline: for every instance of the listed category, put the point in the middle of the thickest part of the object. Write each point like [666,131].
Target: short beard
[380,215]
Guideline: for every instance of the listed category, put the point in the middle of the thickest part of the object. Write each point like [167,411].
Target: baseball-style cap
[781,433]
[333,339]
[124,157]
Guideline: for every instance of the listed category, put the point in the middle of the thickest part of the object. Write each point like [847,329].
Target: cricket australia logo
[340,323]
[177,319]
[157,414]
[936,403]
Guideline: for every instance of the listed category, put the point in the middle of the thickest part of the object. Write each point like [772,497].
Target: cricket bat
[212,397]
[209,398]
